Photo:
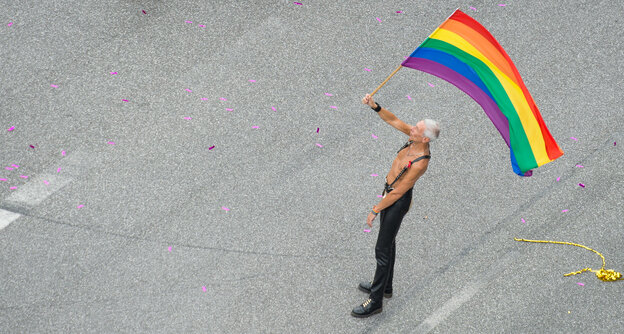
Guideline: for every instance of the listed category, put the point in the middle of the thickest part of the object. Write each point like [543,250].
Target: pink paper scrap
[228,109]
[3,179]
[317,130]
[502,4]
[46,182]
[319,145]
[273,108]
[204,288]
[204,99]
[522,219]
[80,206]
[374,175]
[255,127]
[367,230]
[573,138]
[224,208]
[333,107]
[188,90]
[222,99]
[298,3]
[409,97]
[187,118]
[143,11]
[31,146]
[188,21]
[558,178]
[379,196]
[8,168]
[13,188]
[473,9]
[63,153]
[374,137]
[55,86]
[111,143]
[430,84]
[252,80]
[58,170]
[399,11]
[582,185]
[24,176]
[211,147]
[581,284]
[564,210]
[613,143]
[11,128]
[329,94]
[202,26]
[170,248]
[14,165]
[113,73]
[125,100]
[10,24]
[579,166]
[367,69]
[378,19]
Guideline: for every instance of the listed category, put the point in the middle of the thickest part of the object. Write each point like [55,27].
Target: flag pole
[388,78]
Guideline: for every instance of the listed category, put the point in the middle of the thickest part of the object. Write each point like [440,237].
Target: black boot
[368,308]
[366,287]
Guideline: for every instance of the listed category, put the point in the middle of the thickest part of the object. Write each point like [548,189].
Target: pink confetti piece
[188,21]
[202,26]
[298,3]
[3,179]
[11,129]
[430,84]
[54,86]
[31,146]
[188,90]
[170,248]
[558,178]
[228,109]
[502,4]
[211,147]
[46,182]
[573,138]
[13,188]
[367,69]
[204,99]
[255,127]
[374,137]
[8,168]
[613,143]
[222,99]
[399,11]
[63,153]
[10,24]
[379,196]
[113,73]
[580,166]
[329,94]
[125,100]
[204,288]
[143,11]
[24,176]
[582,185]
[224,208]
[58,170]
[16,166]
[523,221]
[564,210]
[187,118]
[111,143]
[473,9]
[80,206]
[374,175]
[252,80]
[581,284]
[333,107]
[378,19]
[273,108]
[319,145]
[409,97]
[367,230]
[317,130]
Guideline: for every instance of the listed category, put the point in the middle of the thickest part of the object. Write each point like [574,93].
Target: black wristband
[378,109]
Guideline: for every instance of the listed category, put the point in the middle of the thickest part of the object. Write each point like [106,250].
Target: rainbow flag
[462,52]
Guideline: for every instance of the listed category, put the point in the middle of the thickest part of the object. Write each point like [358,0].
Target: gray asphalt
[263,233]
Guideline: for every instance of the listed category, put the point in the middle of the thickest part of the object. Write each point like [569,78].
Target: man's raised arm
[387,116]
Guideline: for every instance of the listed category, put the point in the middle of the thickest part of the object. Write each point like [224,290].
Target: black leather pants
[385,250]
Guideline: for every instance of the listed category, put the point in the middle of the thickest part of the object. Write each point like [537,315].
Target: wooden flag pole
[388,78]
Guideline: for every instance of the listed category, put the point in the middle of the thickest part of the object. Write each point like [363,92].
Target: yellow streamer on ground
[603,274]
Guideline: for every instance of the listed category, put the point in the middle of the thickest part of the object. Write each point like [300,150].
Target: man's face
[417,131]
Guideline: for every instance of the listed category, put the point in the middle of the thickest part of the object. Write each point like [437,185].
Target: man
[409,165]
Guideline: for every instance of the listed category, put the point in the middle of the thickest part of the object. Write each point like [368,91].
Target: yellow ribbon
[602,274]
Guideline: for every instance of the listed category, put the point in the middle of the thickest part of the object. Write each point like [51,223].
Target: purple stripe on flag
[489,106]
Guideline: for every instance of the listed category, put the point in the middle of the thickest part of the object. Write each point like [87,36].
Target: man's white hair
[432,129]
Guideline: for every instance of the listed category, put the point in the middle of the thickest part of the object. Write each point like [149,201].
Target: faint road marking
[6,217]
